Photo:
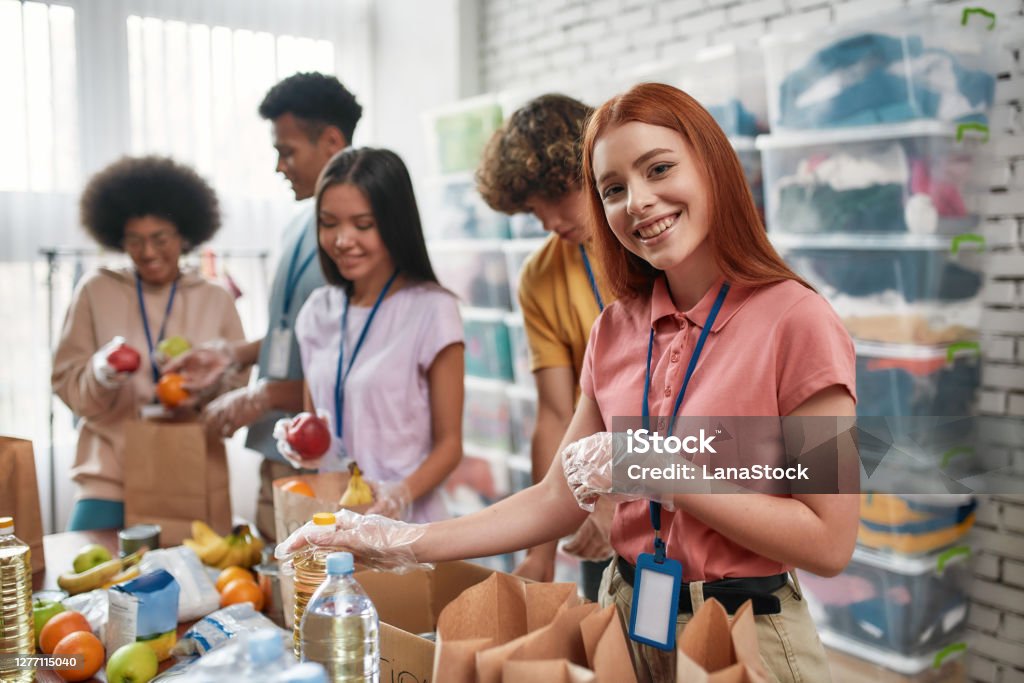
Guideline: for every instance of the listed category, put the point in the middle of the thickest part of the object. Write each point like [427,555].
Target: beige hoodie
[105,305]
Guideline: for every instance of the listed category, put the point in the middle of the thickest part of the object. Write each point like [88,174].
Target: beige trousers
[790,649]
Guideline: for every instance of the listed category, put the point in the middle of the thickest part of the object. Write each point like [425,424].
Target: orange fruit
[170,389]
[58,627]
[300,487]
[232,573]
[242,590]
[89,647]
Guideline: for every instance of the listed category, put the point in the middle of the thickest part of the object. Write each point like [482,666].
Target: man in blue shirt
[313,116]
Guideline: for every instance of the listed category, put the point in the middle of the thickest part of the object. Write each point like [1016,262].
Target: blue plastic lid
[340,563]
[306,672]
[265,646]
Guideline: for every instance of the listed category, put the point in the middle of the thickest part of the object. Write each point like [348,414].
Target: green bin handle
[952,349]
[965,127]
[954,245]
[950,555]
[968,11]
[954,452]
[947,651]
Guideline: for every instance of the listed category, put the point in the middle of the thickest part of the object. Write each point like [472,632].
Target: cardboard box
[409,605]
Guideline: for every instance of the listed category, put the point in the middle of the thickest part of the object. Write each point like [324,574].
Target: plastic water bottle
[340,628]
[17,636]
[265,655]
[306,672]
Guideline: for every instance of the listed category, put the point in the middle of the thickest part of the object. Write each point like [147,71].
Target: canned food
[269,577]
[134,537]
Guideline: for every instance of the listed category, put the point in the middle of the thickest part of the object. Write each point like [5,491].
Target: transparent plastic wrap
[216,629]
[587,464]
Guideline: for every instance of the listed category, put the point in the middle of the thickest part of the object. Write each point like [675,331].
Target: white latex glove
[103,371]
[377,542]
[204,366]
[289,454]
[587,464]
[229,412]
[392,500]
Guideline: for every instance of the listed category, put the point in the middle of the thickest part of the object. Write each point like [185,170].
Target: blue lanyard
[590,276]
[145,322]
[339,378]
[655,507]
[294,275]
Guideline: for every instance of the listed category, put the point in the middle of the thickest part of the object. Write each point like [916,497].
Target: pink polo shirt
[771,348]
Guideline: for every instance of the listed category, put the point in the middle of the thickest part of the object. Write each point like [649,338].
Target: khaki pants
[790,649]
[269,471]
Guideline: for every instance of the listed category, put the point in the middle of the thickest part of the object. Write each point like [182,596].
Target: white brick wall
[524,41]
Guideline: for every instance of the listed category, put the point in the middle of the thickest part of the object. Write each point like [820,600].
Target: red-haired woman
[680,238]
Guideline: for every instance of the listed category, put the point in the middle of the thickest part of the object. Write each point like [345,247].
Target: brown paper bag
[174,472]
[711,650]
[19,495]
[490,614]
[559,671]
[608,653]
[292,510]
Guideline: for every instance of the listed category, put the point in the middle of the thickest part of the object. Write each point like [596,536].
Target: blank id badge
[652,620]
[280,353]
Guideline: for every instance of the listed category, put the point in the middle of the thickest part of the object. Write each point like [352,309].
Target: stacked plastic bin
[871,194]
[465,239]
[729,82]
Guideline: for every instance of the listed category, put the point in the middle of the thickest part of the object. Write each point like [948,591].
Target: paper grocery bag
[19,495]
[292,510]
[713,650]
[559,671]
[608,653]
[174,473]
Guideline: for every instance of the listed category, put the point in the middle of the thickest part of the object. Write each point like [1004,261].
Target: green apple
[173,346]
[89,556]
[42,611]
[132,663]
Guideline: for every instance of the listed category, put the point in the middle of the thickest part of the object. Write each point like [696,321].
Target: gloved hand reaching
[304,439]
[377,542]
[587,465]
[390,499]
[230,412]
[204,366]
[104,370]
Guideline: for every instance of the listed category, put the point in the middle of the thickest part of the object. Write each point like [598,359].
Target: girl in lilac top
[382,343]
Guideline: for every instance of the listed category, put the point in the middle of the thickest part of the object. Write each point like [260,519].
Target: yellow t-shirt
[559,306]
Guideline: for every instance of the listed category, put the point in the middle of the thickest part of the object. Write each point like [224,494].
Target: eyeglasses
[160,241]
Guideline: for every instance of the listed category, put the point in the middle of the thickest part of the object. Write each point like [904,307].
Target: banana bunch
[103,575]
[240,548]
[358,491]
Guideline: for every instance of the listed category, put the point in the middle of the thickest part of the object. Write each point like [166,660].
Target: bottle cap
[306,672]
[265,646]
[340,563]
[323,519]
[6,526]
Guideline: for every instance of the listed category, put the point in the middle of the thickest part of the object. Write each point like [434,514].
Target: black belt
[732,593]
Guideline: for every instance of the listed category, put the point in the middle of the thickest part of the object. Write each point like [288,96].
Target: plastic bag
[95,607]
[198,595]
[218,628]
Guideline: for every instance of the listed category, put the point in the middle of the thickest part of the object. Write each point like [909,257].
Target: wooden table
[60,551]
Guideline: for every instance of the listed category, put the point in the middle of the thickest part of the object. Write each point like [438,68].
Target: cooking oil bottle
[17,633]
[340,628]
[310,566]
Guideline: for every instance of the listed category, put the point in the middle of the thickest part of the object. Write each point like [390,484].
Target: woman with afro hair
[154,210]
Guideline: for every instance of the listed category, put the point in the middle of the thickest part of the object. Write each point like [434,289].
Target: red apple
[308,436]
[124,359]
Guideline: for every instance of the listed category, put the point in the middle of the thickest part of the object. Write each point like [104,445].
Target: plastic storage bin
[456,134]
[913,525]
[895,295]
[909,606]
[921,178]
[488,350]
[452,209]
[750,160]
[516,253]
[520,351]
[873,664]
[727,80]
[522,410]
[473,269]
[485,416]
[920,63]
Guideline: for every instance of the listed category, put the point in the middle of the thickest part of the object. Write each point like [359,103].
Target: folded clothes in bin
[907,525]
